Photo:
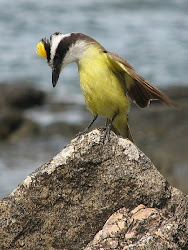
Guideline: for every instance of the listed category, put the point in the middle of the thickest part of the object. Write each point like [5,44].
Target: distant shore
[160,132]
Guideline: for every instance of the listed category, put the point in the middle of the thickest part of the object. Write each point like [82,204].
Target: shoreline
[159,131]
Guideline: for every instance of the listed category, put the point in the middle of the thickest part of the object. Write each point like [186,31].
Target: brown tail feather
[139,90]
[142,92]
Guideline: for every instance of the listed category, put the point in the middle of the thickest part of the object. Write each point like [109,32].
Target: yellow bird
[106,79]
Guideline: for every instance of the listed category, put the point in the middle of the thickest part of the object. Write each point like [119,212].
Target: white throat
[75,52]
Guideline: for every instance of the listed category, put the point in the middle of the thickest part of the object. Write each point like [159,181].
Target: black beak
[55,76]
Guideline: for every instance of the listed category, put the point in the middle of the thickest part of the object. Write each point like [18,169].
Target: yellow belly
[103,90]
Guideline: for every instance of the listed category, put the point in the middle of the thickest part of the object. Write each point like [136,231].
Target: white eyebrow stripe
[56,39]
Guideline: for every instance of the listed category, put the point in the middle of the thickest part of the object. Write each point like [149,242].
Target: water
[20,159]
[151,35]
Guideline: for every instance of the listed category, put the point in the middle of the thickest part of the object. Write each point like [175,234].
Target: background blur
[151,34]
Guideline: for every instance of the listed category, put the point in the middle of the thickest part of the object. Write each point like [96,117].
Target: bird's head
[61,50]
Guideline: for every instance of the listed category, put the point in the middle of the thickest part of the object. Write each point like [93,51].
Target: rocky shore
[160,132]
[95,196]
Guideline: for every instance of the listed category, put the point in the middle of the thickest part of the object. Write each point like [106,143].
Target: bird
[107,81]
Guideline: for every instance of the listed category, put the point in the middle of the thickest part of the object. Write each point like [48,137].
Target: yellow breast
[102,87]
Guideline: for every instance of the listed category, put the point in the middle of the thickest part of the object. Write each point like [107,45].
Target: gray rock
[145,228]
[65,202]
[10,121]
[14,126]
[20,96]
[14,99]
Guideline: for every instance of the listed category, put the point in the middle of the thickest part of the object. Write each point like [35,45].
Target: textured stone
[145,228]
[65,202]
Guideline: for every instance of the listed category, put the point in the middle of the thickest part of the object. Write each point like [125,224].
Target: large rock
[145,228]
[20,96]
[65,202]
[14,99]
[10,121]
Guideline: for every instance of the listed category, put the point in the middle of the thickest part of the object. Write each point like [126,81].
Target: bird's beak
[55,76]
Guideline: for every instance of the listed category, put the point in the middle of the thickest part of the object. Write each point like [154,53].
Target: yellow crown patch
[40,50]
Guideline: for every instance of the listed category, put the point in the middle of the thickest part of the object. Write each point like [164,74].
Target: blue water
[151,34]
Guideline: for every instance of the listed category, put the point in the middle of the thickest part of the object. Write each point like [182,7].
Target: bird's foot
[108,128]
[106,134]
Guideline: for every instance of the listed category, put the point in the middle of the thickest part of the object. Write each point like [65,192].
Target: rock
[20,96]
[144,228]
[10,121]
[161,133]
[14,126]
[14,98]
[88,187]
[177,92]
[28,129]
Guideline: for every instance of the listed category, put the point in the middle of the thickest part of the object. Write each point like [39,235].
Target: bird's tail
[141,91]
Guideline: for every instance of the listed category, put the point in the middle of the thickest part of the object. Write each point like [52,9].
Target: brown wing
[139,89]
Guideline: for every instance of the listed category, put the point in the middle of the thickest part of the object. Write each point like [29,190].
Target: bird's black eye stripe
[63,47]
[47,47]
[61,52]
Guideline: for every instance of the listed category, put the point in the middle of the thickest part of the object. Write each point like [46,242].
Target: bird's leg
[94,118]
[108,128]
[86,129]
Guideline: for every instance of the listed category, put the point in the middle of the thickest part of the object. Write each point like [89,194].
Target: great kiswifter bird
[106,79]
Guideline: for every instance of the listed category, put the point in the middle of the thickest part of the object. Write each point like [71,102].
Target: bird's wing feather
[139,89]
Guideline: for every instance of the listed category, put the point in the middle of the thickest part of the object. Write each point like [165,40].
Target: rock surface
[144,228]
[14,99]
[20,96]
[66,202]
